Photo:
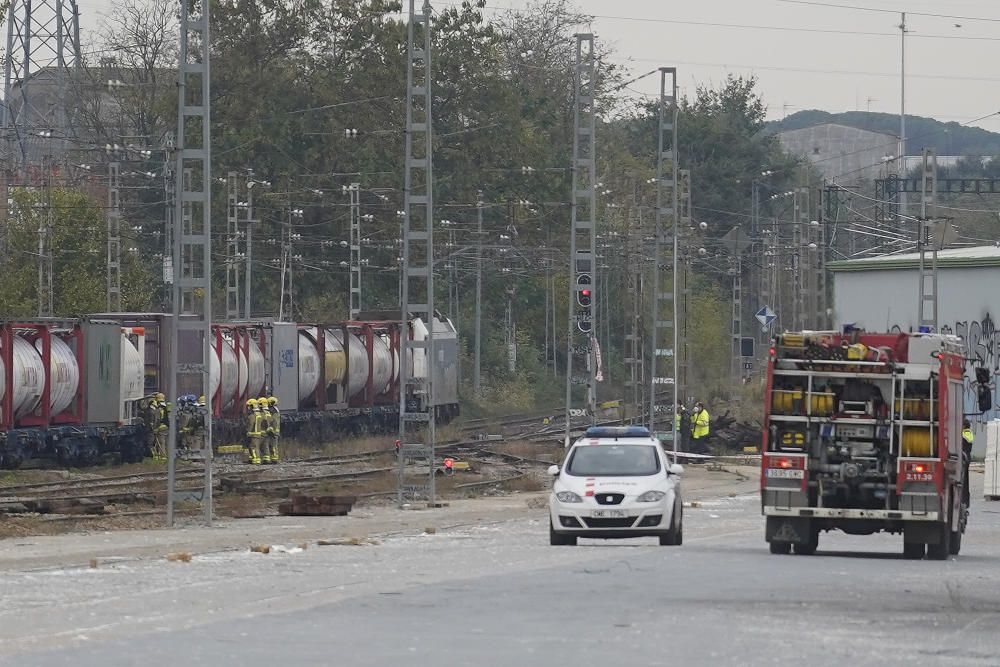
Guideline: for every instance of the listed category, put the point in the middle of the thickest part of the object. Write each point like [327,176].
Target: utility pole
[633,339]
[354,189]
[248,254]
[798,284]
[682,292]
[583,228]
[45,247]
[286,306]
[663,352]
[192,250]
[169,219]
[114,218]
[232,247]
[737,318]
[927,308]
[417,276]
[43,52]
[902,113]
[476,379]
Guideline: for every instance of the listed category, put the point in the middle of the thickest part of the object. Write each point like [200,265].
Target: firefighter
[967,438]
[160,425]
[682,426]
[272,428]
[254,431]
[196,425]
[184,421]
[700,430]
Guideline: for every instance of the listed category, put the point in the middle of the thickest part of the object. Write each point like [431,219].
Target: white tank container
[132,371]
[418,363]
[255,371]
[336,366]
[64,374]
[382,372]
[308,367]
[229,373]
[357,361]
[29,378]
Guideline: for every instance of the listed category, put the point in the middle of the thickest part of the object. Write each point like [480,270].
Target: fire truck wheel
[913,550]
[955,543]
[781,548]
[808,548]
[940,550]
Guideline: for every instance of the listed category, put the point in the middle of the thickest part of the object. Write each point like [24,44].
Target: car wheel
[781,548]
[674,537]
[559,540]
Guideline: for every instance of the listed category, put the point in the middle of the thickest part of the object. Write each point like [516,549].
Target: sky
[805,55]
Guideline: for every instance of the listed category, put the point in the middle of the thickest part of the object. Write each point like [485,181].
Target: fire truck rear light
[920,468]
[784,463]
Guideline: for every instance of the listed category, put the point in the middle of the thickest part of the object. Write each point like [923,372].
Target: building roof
[837,125]
[969,258]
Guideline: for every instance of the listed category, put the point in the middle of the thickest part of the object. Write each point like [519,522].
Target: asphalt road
[497,594]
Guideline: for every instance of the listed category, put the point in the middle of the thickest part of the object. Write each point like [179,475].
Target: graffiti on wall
[982,345]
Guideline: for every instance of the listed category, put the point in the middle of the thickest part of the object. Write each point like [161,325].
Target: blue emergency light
[617,432]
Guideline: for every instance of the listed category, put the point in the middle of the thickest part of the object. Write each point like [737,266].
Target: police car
[616,482]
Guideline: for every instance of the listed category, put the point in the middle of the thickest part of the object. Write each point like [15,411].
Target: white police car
[616,482]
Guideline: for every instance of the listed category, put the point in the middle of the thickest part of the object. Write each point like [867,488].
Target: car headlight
[568,497]
[651,497]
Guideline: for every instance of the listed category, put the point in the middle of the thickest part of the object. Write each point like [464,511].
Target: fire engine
[862,433]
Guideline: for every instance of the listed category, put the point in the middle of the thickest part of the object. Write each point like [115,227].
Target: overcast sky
[817,59]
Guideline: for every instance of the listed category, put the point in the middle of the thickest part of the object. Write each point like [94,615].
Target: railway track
[147,486]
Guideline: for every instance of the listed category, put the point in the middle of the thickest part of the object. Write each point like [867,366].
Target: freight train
[71,389]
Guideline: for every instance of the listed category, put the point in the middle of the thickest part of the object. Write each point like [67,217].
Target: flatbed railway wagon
[862,433]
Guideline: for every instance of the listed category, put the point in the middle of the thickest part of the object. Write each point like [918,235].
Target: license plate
[785,473]
[608,514]
[918,477]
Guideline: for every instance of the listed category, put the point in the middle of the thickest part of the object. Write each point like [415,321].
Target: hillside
[947,138]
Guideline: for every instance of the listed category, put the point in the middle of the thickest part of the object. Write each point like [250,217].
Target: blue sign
[766,317]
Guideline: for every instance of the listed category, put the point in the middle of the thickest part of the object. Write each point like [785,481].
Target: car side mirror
[675,469]
[554,471]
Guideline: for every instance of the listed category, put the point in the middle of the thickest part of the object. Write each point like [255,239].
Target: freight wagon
[70,389]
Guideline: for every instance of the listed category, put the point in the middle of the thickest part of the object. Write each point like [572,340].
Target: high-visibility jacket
[274,422]
[700,424]
[255,424]
[967,436]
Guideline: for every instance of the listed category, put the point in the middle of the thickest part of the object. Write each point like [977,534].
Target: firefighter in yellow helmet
[255,431]
[159,426]
[273,431]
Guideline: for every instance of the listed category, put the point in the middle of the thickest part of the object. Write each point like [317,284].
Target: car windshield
[613,461]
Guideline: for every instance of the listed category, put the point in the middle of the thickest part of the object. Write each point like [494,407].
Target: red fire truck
[862,433]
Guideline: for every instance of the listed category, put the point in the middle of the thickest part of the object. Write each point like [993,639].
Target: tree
[79,262]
